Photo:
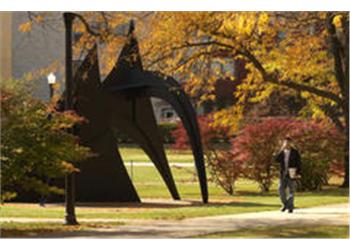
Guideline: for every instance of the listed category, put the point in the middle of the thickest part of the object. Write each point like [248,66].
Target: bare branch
[105,21]
[87,26]
[334,114]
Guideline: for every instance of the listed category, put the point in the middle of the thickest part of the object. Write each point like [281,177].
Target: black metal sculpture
[122,101]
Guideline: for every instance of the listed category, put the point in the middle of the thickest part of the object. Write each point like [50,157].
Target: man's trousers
[287,184]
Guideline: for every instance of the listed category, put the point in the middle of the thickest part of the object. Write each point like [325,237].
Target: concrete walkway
[337,214]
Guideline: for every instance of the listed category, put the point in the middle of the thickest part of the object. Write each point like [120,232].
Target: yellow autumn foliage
[194,47]
[26,27]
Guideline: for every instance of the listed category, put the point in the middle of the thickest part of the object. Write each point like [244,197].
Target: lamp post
[51,80]
[70,218]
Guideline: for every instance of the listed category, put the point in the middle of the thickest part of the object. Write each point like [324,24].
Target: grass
[149,184]
[13,229]
[247,198]
[234,205]
[288,231]
[135,154]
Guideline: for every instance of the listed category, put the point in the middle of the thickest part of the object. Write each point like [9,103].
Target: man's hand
[284,145]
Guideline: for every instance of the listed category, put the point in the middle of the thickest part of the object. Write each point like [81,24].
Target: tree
[34,146]
[304,53]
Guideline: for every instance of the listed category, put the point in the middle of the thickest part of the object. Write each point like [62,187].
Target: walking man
[290,169]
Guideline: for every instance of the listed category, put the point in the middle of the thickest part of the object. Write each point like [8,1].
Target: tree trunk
[346,159]
[346,146]
[346,168]
[230,190]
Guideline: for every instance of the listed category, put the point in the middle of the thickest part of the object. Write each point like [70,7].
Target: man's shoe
[283,209]
[290,211]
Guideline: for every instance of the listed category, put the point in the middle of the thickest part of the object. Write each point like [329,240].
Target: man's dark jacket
[294,161]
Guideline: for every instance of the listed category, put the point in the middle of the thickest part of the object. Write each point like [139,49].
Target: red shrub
[256,144]
[318,142]
[224,168]
[254,147]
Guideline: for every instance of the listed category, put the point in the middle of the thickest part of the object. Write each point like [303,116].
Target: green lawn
[135,154]
[234,205]
[149,185]
[288,231]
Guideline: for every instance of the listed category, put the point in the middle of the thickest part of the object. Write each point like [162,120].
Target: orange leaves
[229,117]
[39,19]
[337,21]
[68,167]
[289,45]
[26,27]
[33,19]
[65,120]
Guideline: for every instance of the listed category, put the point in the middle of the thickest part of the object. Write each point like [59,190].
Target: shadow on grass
[329,191]
[184,204]
[255,194]
[241,204]
[81,233]
[326,191]
[288,231]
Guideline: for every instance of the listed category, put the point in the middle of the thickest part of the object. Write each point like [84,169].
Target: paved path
[326,215]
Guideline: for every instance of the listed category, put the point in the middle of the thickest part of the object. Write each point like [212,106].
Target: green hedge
[165,130]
